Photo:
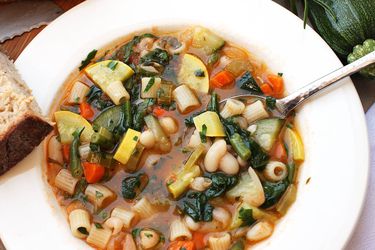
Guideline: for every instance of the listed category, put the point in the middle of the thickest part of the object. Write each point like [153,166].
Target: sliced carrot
[66,152]
[279,152]
[86,110]
[181,245]
[266,89]
[94,172]
[277,84]
[158,111]
[222,79]
[198,239]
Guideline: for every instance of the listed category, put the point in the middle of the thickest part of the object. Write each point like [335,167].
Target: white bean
[222,215]
[149,238]
[115,224]
[200,183]
[259,231]
[147,139]
[229,164]
[168,124]
[275,171]
[54,150]
[195,141]
[214,155]
[242,162]
[191,224]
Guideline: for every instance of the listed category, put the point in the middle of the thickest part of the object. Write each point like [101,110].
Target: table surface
[14,47]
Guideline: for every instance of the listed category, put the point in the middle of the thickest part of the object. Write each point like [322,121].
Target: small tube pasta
[84,151]
[54,150]
[255,111]
[99,237]
[99,195]
[79,220]
[115,224]
[127,217]
[116,91]
[65,181]
[185,98]
[179,230]
[219,241]
[149,238]
[275,171]
[259,231]
[144,208]
[150,87]
[78,93]
[232,107]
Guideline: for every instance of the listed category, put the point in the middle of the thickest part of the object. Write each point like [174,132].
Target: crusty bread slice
[22,128]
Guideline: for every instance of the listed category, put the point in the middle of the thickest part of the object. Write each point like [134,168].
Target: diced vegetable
[294,145]
[68,122]
[110,79]
[132,163]
[248,189]
[161,138]
[256,214]
[75,162]
[78,93]
[185,98]
[150,87]
[86,110]
[267,132]
[88,59]
[164,93]
[238,66]
[273,192]
[94,172]
[213,105]
[203,38]
[132,186]
[178,245]
[157,55]
[103,138]
[255,111]
[212,121]
[239,245]
[287,199]
[178,183]
[277,84]
[190,65]
[247,82]
[222,79]
[279,152]
[240,147]
[140,111]
[109,119]
[127,146]
[158,111]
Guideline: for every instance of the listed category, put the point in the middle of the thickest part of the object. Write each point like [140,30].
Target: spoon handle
[290,102]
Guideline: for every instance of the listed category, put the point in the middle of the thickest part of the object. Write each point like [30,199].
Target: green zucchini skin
[355,22]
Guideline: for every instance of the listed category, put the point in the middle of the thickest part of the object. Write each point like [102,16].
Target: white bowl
[332,125]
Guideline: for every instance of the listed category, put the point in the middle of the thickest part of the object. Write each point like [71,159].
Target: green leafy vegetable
[140,111]
[88,59]
[98,225]
[199,73]
[273,192]
[247,82]
[133,185]
[127,50]
[157,55]
[270,102]
[150,83]
[213,105]
[95,97]
[246,215]
[203,133]
[212,59]
[83,230]
[112,65]
[198,209]
[220,184]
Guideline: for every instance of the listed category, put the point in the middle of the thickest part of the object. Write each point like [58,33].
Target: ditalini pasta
[80,224]
[155,145]
[65,181]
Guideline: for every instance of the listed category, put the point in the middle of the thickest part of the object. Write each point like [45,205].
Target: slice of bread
[22,128]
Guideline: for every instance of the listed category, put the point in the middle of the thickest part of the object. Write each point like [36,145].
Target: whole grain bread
[22,128]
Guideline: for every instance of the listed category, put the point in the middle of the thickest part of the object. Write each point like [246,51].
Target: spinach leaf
[270,102]
[88,59]
[127,50]
[220,184]
[246,215]
[83,230]
[247,82]
[97,99]
[133,185]
[213,105]
[199,73]
[171,70]
[199,209]
[157,55]
[112,65]
[273,192]
[140,111]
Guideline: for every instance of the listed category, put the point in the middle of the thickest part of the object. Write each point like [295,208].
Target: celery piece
[161,138]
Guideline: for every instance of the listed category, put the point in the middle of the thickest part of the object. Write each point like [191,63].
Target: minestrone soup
[146,156]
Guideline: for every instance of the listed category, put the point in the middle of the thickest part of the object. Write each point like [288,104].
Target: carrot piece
[179,245]
[86,110]
[277,84]
[222,79]
[66,152]
[94,172]
[198,239]
[158,111]
[279,152]
[266,89]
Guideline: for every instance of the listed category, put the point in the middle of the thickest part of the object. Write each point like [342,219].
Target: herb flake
[203,133]
[88,59]
[112,65]
[150,83]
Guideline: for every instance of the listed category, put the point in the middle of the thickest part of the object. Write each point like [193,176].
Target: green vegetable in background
[88,59]
[159,56]
[198,208]
[273,192]
[247,82]
[75,161]
[220,184]
[362,50]
[133,185]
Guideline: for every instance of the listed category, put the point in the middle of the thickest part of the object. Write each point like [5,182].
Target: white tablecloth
[364,235]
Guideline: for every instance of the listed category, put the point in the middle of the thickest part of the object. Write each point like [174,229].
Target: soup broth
[145,156]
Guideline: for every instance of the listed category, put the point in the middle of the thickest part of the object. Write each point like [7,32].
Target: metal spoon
[285,105]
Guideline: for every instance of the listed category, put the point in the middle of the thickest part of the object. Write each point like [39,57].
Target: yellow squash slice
[193,73]
[294,144]
[212,122]
[127,146]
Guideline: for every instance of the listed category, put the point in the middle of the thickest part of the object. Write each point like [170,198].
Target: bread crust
[21,138]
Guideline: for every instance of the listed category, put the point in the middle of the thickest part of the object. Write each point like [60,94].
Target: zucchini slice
[210,42]
[267,131]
